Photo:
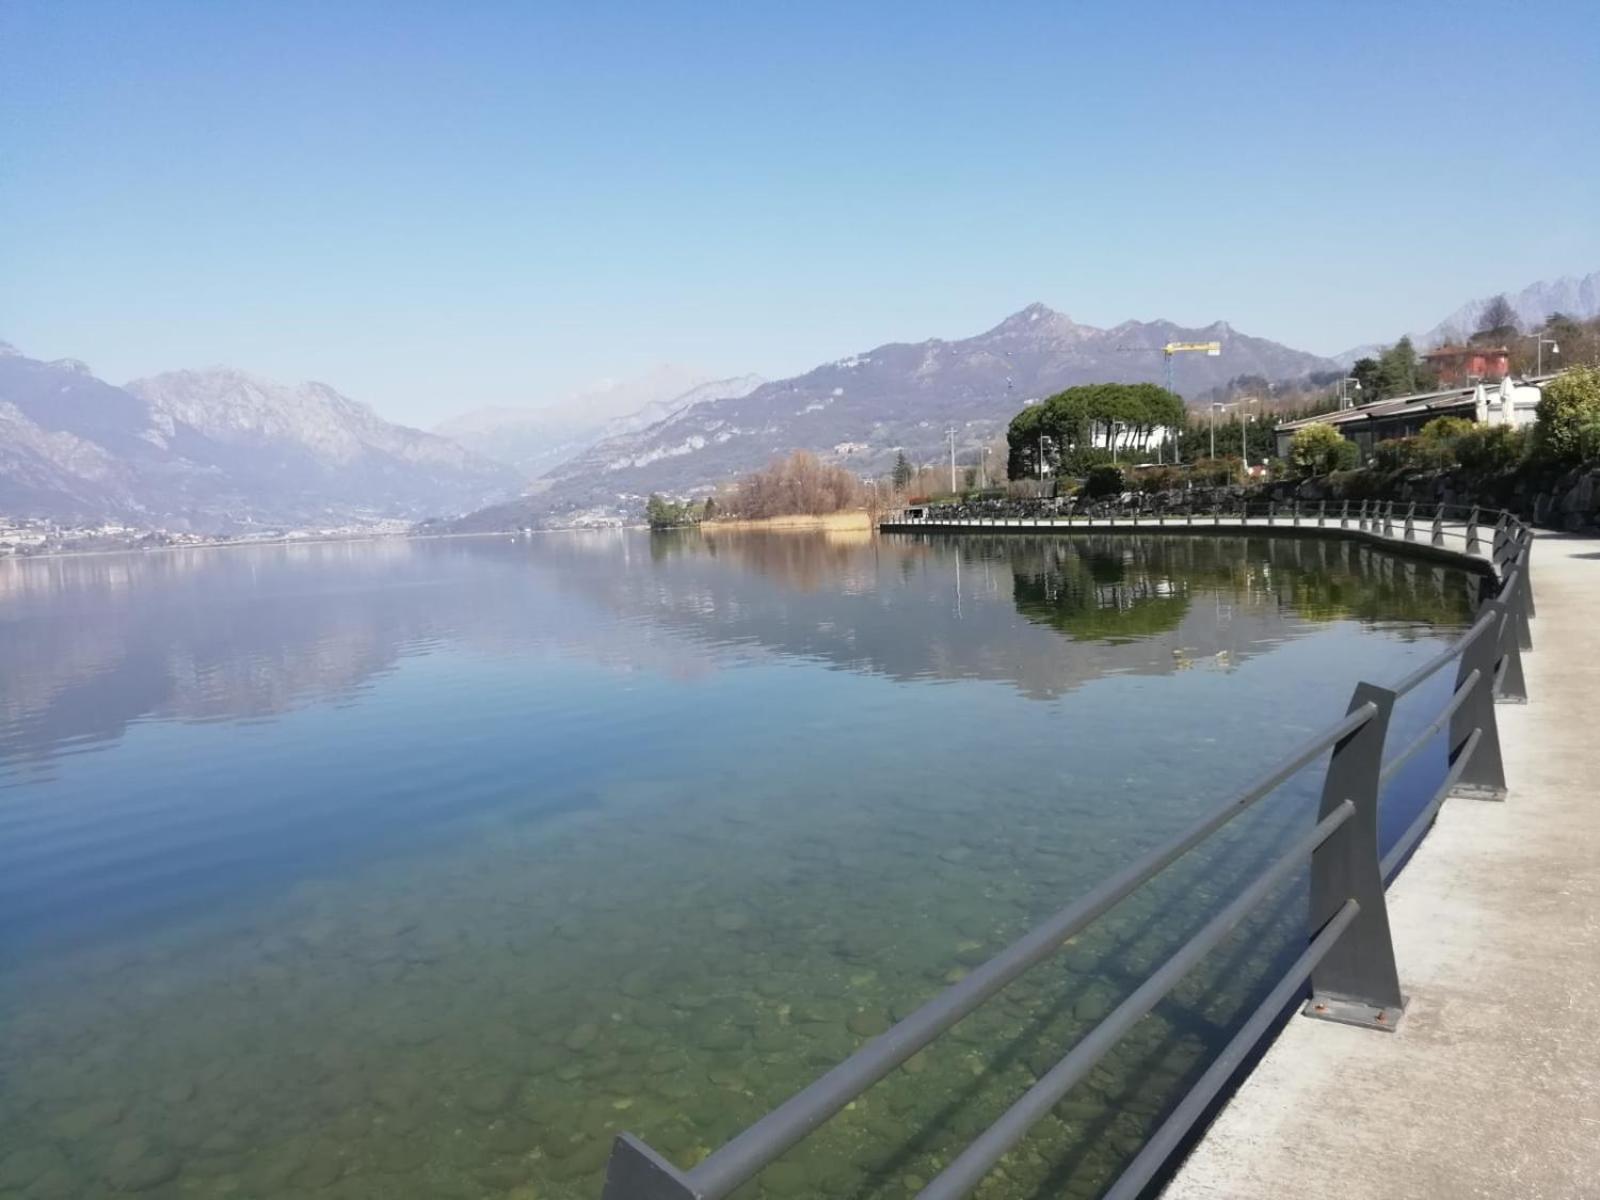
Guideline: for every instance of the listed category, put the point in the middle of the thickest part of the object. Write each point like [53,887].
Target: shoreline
[841,522]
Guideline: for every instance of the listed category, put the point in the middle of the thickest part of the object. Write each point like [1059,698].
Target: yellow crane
[1209,349]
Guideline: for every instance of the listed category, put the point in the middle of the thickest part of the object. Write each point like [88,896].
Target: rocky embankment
[1567,500]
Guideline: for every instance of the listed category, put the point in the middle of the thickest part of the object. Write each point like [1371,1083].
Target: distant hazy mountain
[218,450]
[535,439]
[865,408]
[1579,298]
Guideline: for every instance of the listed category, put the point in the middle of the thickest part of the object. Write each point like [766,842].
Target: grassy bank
[840,522]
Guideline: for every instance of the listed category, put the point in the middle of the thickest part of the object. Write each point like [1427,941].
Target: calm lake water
[419,869]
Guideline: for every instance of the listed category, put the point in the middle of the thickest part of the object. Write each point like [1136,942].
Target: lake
[420,868]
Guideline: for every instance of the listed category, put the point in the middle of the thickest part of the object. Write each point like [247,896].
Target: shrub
[1319,450]
[1215,472]
[1394,454]
[1446,431]
[1104,480]
[1158,479]
[1398,454]
[1490,449]
[1568,428]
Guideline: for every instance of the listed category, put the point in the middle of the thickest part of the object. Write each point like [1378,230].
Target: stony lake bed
[423,869]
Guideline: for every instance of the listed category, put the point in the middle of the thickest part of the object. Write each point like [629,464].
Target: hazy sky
[439,206]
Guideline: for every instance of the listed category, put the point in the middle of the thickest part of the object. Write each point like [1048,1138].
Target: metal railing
[1349,956]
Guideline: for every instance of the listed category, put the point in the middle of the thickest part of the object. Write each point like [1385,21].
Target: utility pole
[951,433]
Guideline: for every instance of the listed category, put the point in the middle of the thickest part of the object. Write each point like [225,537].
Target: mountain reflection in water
[419,868]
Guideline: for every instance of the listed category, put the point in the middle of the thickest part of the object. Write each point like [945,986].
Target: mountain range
[218,451]
[1577,297]
[535,439]
[221,451]
[868,407]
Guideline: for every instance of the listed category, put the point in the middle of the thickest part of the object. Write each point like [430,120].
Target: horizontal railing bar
[1456,701]
[976,1161]
[807,1109]
[1413,834]
[1165,1140]
[1448,655]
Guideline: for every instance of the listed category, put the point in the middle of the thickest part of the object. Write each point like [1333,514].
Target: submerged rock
[21,1167]
[135,1165]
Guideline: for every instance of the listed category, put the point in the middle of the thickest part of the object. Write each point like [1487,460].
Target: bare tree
[799,484]
[1498,317]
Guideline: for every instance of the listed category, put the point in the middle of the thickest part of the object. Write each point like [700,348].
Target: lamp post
[1541,341]
[1244,442]
[1214,406]
[1344,391]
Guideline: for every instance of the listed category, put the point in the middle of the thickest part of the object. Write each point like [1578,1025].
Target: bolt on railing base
[636,1172]
[1477,791]
[1353,1012]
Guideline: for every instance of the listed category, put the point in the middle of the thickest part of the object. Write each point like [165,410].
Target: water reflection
[418,869]
[90,644]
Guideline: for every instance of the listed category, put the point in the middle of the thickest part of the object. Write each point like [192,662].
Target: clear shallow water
[419,869]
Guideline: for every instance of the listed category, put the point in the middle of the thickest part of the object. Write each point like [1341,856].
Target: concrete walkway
[1491,1086]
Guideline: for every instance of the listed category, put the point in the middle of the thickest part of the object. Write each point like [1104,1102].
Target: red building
[1461,365]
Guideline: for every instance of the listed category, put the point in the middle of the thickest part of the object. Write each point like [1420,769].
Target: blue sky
[435,207]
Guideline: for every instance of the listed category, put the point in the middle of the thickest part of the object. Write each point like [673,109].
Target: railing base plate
[637,1172]
[1477,791]
[1352,1012]
[1510,699]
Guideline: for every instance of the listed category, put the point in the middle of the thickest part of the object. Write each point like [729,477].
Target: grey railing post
[1527,573]
[1438,525]
[1322,513]
[1272,512]
[1344,515]
[1357,983]
[1484,777]
[1498,545]
[1388,519]
[1473,544]
[636,1172]
[1296,510]
[1513,687]
[1522,603]
[1411,522]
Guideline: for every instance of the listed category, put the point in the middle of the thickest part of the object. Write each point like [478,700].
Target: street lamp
[1215,404]
[1542,342]
[1344,391]
[1244,444]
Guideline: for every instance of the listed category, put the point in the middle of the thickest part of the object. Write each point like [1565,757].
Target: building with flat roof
[1507,403]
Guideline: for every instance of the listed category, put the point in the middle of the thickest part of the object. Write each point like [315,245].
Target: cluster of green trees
[1071,430]
[671,514]
[1398,371]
